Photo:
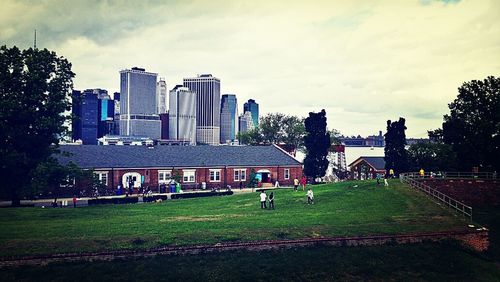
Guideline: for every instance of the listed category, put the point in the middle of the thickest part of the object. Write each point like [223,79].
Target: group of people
[63,203]
[264,199]
[302,182]
[379,178]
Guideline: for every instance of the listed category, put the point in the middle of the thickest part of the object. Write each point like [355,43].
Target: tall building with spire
[228,118]
[253,107]
[207,89]
[138,109]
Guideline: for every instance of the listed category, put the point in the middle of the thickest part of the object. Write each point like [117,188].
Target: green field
[446,261]
[340,210]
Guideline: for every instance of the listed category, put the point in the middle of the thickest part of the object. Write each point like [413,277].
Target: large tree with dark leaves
[317,142]
[432,156]
[473,126]
[34,89]
[396,157]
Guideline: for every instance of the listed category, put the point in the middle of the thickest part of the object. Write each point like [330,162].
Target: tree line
[35,87]
[469,138]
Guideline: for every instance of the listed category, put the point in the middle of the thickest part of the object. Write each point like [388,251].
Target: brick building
[216,166]
[367,167]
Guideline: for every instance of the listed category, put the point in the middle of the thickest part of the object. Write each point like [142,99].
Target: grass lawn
[416,262]
[339,210]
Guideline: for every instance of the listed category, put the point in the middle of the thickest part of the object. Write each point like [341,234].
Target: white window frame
[188,175]
[216,175]
[286,173]
[167,176]
[240,175]
[100,175]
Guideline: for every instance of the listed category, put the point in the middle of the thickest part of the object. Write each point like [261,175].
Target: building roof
[378,163]
[95,156]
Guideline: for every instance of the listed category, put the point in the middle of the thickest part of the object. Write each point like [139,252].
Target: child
[303,182]
[263,197]
[271,201]
[310,196]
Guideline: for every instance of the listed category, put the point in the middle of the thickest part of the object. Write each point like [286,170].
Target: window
[68,182]
[287,173]
[102,176]
[188,175]
[240,174]
[164,176]
[215,175]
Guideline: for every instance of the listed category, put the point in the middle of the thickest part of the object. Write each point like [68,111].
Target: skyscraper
[207,89]
[228,118]
[246,122]
[182,115]
[252,107]
[94,113]
[161,96]
[106,109]
[138,111]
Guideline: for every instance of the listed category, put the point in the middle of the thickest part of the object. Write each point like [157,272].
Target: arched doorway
[134,176]
[264,175]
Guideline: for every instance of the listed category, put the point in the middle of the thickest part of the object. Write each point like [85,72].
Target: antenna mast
[34,43]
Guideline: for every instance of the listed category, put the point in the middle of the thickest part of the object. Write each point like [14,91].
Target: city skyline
[363,64]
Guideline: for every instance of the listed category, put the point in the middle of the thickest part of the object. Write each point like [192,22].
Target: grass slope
[418,262]
[339,210]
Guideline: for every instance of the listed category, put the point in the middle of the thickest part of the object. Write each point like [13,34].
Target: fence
[452,175]
[410,178]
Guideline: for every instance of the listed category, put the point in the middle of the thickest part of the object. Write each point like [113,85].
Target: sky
[364,62]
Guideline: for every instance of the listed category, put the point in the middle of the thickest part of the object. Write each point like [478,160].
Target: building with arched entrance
[193,166]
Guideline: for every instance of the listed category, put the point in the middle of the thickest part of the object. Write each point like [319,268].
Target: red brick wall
[203,175]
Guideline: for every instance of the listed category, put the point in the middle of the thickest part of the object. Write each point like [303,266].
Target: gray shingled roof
[95,156]
[377,162]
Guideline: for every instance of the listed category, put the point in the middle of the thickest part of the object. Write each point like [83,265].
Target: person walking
[421,172]
[378,178]
[295,184]
[263,197]
[271,201]
[303,182]
[386,184]
[310,196]
[74,201]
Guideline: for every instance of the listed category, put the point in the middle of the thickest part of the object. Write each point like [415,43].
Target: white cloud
[363,64]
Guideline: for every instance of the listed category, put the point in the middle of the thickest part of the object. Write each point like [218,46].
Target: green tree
[276,128]
[293,131]
[432,156]
[335,137]
[317,142]
[252,181]
[396,156]
[34,90]
[251,137]
[473,126]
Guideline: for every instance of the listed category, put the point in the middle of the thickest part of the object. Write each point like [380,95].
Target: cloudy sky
[362,61]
